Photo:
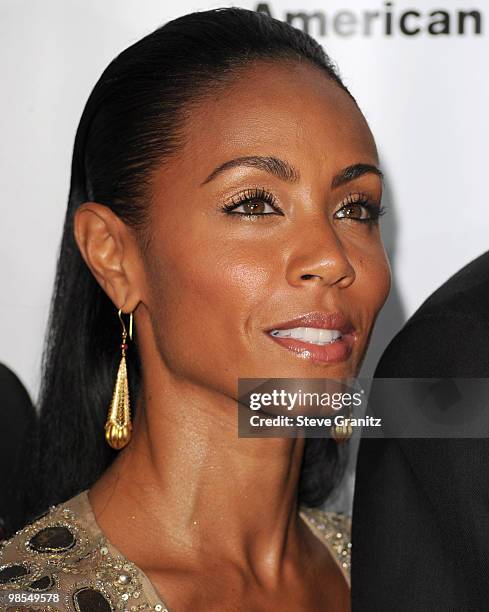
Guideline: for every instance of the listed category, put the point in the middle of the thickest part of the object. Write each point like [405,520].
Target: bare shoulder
[57,562]
[334,529]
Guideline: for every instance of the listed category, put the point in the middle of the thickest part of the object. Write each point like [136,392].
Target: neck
[197,487]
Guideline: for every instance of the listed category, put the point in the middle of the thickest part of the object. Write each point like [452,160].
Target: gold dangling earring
[118,427]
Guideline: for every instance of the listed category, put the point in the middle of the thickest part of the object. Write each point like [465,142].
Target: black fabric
[16,416]
[420,538]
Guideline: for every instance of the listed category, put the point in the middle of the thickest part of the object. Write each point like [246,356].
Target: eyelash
[362,199]
[262,195]
[252,195]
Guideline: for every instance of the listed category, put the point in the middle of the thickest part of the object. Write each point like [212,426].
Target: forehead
[288,109]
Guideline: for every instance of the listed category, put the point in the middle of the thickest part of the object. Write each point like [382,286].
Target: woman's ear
[110,251]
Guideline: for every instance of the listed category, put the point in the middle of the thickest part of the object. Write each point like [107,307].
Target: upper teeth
[308,334]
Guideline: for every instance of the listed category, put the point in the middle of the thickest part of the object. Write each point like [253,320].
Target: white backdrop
[425,96]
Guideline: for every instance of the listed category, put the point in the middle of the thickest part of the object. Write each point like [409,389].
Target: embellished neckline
[85,513]
[331,534]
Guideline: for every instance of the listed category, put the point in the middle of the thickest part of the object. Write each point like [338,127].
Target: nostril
[307,276]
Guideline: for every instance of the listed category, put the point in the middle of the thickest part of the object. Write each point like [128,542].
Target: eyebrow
[273,165]
[352,172]
[286,172]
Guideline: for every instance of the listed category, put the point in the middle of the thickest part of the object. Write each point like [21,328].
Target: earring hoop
[124,331]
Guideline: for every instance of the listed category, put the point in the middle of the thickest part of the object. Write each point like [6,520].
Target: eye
[254,207]
[253,203]
[358,207]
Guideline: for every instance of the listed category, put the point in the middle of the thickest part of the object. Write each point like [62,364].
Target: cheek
[373,278]
[221,278]
[203,301]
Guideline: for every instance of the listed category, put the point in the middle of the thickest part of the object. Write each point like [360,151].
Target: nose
[320,258]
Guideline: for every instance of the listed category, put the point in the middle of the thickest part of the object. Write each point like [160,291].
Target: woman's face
[217,281]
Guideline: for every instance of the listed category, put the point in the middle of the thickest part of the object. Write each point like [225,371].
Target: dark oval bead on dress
[42,584]
[52,539]
[12,572]
[90,600]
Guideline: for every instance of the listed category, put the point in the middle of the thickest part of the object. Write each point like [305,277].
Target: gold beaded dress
[62,561]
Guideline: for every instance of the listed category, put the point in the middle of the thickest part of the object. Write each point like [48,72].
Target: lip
[321,320]
[336,352]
